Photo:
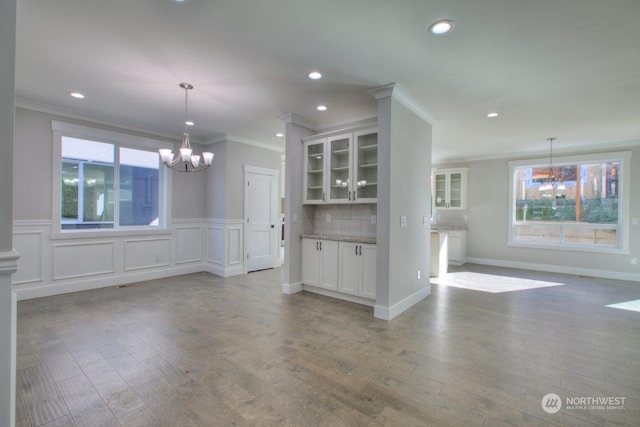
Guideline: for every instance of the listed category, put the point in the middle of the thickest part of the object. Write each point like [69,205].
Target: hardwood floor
[199,350]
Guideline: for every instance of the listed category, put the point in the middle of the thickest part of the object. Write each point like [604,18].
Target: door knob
[273,226]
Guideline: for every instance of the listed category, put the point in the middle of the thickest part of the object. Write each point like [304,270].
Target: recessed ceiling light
[322,108]
[77,95]
[279,135]
[181,1]
[315,75]
[492,115]
[441,27]
[189,123]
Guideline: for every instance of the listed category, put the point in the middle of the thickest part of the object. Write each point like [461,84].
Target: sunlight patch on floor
[490,282]
[627,305]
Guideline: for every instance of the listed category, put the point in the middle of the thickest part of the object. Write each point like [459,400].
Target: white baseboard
[291,288]
[339,295]
[37,291]
[388,313]
[605,274]
[224,272]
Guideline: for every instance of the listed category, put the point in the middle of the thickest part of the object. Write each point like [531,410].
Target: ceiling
[551,68]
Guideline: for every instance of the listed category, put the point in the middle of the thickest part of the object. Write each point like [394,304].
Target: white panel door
[350,266]
[261,212]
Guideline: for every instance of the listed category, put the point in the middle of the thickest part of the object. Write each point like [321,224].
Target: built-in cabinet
[345,267]
[341,168]
[320,263]
[450,188]
[457,247]
[357,269]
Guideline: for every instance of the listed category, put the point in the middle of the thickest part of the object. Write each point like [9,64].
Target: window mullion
[116,189]
[80,219]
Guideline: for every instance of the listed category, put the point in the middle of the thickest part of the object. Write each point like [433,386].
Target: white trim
[289,118]
[365,127]
[31,223]
[291,288]
[224,272]
[388,313]
[108,135]
[95,234]
[14,354]
[8,262]
[261,171]
[255,144]
[366,117]
[572,159]
[578,271]
[397,92]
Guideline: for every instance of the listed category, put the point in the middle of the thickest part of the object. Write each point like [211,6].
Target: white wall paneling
[188,246]
[225,247]
[74,260]
[28,240]
[147,253]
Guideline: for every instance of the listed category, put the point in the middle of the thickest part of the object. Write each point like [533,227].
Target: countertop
[370,240]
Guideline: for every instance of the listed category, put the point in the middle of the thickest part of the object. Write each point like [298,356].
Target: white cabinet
[357,269]
[341,168]
[450,188]
[320,263]
[457,243]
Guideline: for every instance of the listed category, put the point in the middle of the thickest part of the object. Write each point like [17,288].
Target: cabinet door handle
[354,195]
[317,246]
[360,249]
[320,245]
[356,249]
[349,195]
[323,196]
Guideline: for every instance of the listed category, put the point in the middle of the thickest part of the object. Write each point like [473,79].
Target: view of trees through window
[580,207]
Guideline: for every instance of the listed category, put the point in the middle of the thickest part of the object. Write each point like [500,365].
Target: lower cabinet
[320,263]
[357,269]
[345,267]
[457,244]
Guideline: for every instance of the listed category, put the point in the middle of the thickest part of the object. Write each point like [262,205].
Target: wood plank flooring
[200,350]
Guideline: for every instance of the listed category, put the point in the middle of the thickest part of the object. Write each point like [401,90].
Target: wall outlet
[403,221]
[634,261]
[328,217]
[374,219]
[425,220]
[418,274]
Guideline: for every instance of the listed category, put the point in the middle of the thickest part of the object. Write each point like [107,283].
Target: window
[585,209]
[107,180]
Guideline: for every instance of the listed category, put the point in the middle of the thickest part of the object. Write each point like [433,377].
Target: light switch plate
[328,217]
[425,220]
[403,221]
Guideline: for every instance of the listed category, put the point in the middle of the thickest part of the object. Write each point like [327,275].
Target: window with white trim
[106,180]
[585,209]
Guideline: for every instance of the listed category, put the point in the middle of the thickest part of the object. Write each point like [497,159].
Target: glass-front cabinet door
[314,172]
[440,190]
[340,169]
[455,190]
[365,185]
[450,188]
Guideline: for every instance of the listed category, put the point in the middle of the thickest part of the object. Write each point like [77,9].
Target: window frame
[118,140]
[624,183]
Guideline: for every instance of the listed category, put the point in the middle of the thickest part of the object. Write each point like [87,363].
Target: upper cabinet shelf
[349,165]
[450,188]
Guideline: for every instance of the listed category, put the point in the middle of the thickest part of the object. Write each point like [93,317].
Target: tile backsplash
[340,220]
[452,218]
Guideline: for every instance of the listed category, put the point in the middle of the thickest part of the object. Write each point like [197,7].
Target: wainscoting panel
[146,253]
[234,233]
[76,260]
[215,245]
[188,244]
[30,268]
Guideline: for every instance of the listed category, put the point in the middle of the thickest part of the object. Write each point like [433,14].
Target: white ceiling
[562,68]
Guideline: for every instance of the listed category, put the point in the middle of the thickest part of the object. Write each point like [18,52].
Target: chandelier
[548,183]
[186,161]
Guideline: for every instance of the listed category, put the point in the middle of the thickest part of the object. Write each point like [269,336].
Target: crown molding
[298,120]
[231,138]
[397,92]
[362,117]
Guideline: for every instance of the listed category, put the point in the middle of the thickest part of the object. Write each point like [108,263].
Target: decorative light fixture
[547,184]
[186,161]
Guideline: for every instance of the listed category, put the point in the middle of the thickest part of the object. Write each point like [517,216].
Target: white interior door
[261,216]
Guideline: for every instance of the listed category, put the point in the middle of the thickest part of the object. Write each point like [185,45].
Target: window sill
[571,248]
[66,235]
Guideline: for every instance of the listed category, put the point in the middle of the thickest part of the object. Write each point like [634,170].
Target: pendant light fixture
[186,161]
[547,184]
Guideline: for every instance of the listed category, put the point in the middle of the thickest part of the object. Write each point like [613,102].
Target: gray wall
[409,196]
[225,182]
[488,210]
[7,112]
[34,148]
